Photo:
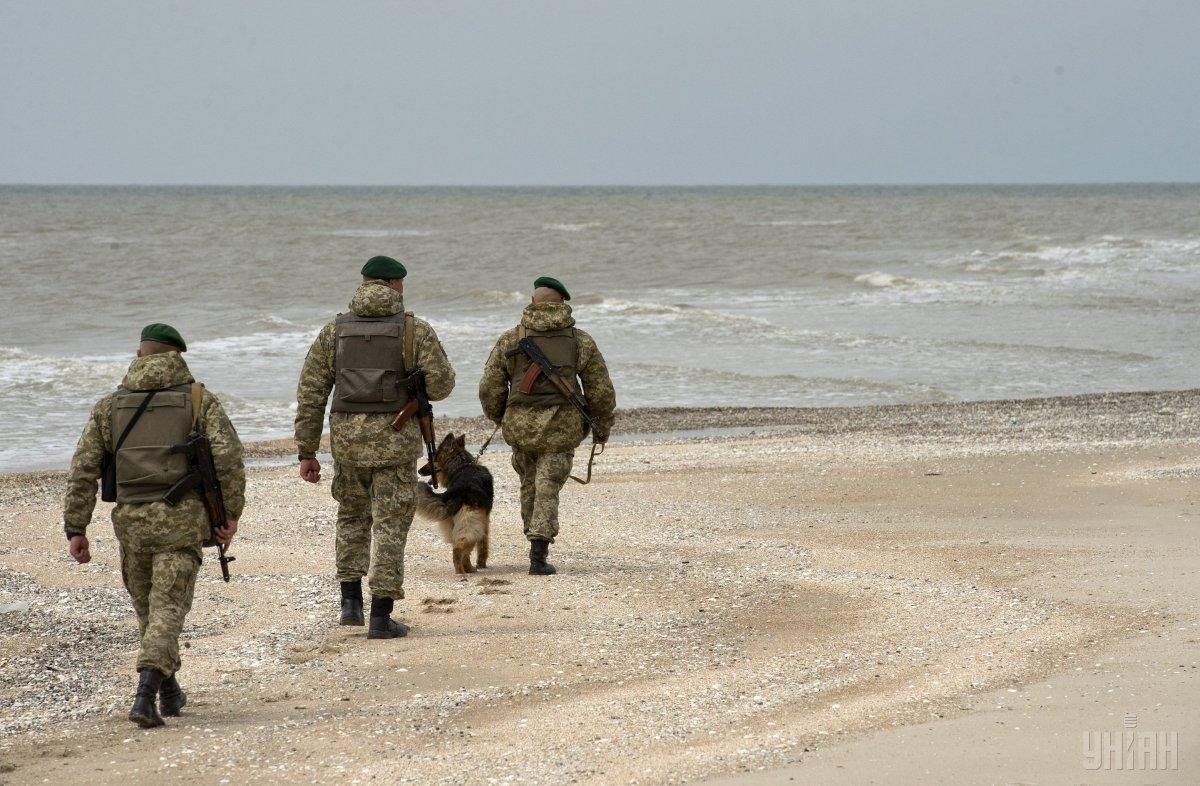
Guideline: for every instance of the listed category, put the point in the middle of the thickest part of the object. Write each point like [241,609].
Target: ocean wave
[37,381]
[603,305]
[713,323]
[1049,350]
[822,341]
[836,222]
[882,288]
[495,297]
[271,320]
[1108,252]
[784,387]
[581,227]
[255,345]
[881,279]
[375,233]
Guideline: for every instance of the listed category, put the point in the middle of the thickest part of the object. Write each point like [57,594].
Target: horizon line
[847,184]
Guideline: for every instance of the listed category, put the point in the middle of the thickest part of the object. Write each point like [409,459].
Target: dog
[463,511]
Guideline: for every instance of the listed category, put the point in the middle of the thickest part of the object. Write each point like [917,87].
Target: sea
[723,296]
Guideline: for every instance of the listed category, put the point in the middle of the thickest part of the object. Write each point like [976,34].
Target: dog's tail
[431,505]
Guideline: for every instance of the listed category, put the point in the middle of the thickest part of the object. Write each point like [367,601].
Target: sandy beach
[939,593]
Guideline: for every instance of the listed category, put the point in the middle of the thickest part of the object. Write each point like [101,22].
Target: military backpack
[146,428]
[372,357]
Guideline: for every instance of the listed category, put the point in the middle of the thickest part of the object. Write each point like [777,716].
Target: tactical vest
[370,361]
[561,348]
[146,465]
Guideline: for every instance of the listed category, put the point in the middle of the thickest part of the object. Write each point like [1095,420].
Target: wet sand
[939,593]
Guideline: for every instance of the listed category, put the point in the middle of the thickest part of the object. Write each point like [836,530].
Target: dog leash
[597,450]
[591,461]
[487,442]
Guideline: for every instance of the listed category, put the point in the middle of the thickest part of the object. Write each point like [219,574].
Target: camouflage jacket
[366,439]
[154,526]
[557,428]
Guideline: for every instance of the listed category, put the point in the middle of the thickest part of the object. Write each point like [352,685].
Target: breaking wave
[495,297]
[880,279]
[581,227]
[1111,251]
[375,233]
[254,346]
[697,321]
[836,222]
[272,321]
[24,375]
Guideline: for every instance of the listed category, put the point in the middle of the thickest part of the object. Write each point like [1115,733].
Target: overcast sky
[653,91]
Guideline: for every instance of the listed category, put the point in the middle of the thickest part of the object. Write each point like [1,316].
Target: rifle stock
[202,476]
[418,405]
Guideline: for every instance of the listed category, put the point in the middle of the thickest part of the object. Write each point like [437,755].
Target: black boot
[352,607]
[382,624]
[171,697]
[538,551]
[143,712]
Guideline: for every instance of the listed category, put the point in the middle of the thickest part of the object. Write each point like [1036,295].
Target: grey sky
[234,91]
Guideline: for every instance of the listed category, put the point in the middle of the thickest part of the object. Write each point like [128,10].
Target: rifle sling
[197,397]
[137,415]
[591,461]
[410,350]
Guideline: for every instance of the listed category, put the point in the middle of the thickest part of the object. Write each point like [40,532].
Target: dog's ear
[462,441]
[447,440]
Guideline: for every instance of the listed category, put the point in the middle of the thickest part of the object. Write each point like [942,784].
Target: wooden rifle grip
[529,379]
[404,415]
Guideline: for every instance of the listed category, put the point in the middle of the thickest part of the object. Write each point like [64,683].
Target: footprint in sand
[492,586]
[438,605]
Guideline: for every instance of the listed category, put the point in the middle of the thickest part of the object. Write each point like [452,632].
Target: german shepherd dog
[464,510]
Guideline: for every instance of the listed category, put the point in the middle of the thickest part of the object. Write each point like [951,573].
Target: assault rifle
[418,404]
[541,365]
[202,476]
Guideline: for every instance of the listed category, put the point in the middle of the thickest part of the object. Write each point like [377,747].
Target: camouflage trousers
[161,585]
[542,477]
[375,510]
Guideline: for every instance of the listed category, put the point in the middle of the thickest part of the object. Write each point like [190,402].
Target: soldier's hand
[225,534]
[310,470]
[80,548]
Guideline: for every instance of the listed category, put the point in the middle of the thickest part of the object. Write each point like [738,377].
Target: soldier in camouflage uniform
[159,543]
[542,427]
[359,358]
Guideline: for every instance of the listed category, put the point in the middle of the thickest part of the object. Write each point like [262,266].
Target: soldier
[157,405]
[364,358]
[542,427]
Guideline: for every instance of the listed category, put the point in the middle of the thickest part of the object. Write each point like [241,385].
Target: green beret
[385,268]
[163,334]
[552,283]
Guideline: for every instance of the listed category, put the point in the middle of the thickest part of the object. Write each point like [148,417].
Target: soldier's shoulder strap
[410,340]
[197,398]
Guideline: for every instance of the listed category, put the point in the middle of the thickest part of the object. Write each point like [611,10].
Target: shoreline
[1051,416]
